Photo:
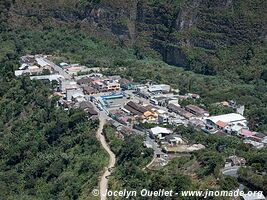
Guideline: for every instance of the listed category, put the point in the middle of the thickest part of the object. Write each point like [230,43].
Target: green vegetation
[218,148]
[200,171]
[45,151]
[255,174]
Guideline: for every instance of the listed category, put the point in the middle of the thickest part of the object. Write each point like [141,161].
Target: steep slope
[193,34]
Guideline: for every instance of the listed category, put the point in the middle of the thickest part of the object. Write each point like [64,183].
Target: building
[52,77]
[195,110]
[142,90]
[163,118]
[157,89]
[196,123]
[245,133]
[85,104]
[252,143]
[89,90]
[72,94]
[193,95]
[85,81]
[235,161]
[231,123]
[127,84]
[135,108]
[175,107]
[161,101]
[115,78]
[143,113]
[68,85]
[174,139]
[32,65]
[91,111]
[106,85]
[159,132]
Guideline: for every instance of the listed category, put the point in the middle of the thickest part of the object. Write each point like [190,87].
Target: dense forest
[45,151]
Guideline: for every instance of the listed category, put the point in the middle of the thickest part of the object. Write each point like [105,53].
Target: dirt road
[103,186]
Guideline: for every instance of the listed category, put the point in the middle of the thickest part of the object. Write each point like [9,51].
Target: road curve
[103,185]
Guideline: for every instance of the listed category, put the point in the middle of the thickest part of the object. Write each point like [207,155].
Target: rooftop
[196,109]
[157,130]
[227,118]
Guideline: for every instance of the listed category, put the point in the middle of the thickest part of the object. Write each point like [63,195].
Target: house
[127,84]
[89,90]
[245,133]
[169,100]
[51,77]
[85,104]
[124,130]
[135,108]
[143,113]
[114,123]
[197,123]
[157,89]
[91,111]
[174,139]
[161,101]
[143,91]
[106,85]
[73,94]
[163,118]
[115,78]
[256,145]
[149,116]
[84,81]
[259,137]
[175,107]
[159,132]
[235,161]
[68,85]
[148,144]
[196,110]
[193,95]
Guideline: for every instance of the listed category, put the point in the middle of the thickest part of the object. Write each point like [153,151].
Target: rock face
[172,28]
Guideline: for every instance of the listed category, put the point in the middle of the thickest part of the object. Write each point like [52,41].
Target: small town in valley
[150,109]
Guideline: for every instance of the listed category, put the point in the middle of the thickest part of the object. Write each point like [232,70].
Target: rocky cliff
[174,29]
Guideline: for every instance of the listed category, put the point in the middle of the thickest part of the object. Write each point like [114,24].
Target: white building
[230,123]
[68,85]
[159,88]
[75,94]
[160,132]
[51,77]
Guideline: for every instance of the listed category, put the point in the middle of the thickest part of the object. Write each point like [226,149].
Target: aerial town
[127,104]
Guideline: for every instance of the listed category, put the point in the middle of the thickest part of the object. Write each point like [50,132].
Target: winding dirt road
[103,185]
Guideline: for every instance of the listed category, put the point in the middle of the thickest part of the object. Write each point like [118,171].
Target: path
[103,186]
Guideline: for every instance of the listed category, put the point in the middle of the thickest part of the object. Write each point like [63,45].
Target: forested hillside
[226,37]
[45,151]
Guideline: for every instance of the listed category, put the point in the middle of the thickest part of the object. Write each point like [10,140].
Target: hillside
[208,37]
